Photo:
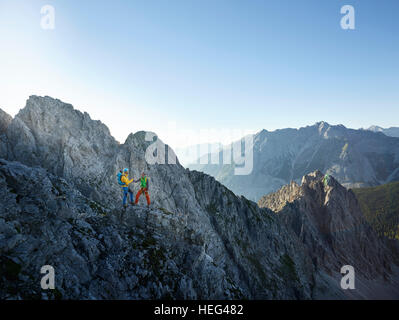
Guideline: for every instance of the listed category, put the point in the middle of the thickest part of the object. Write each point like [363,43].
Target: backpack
[119,175]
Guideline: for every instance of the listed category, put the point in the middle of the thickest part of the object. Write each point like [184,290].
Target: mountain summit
[391,132]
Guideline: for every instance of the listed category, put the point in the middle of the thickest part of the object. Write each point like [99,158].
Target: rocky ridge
[328,220]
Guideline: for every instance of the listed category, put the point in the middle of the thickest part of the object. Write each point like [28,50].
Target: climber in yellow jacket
[123,180]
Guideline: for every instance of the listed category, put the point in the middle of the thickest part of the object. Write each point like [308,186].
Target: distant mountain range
[356,158]
[392,131]
[190,154]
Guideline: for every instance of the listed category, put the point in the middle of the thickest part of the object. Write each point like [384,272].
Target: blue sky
[201,64]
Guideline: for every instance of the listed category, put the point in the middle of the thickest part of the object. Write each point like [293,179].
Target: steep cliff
[328,220]
[63,207]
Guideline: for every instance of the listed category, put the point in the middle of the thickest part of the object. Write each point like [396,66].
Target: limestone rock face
[327,219]
[61,206]
[51,134]
[139,253]
[226,248]
[5,120]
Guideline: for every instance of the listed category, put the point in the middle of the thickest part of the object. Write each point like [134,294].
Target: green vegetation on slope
[380,206]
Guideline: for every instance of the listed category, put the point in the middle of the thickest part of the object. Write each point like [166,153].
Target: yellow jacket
[125,180]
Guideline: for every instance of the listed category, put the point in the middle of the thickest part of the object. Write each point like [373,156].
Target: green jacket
[144,183]
[326,179]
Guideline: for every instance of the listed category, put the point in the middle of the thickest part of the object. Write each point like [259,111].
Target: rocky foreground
[61,206]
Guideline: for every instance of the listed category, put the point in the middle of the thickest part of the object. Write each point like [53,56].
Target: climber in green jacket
[144,184]
[326,179]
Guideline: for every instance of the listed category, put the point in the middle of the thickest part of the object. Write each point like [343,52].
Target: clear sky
[202,64]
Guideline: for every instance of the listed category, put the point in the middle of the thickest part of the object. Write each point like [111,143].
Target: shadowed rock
[327,219]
